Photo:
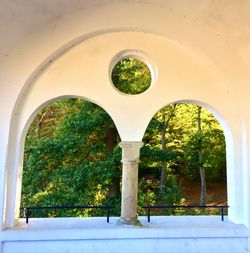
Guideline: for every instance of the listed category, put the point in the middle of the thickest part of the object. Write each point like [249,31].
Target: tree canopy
[131,76]
[72,156]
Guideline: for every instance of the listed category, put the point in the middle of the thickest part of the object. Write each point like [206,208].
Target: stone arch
[183,73]
[227,130]
[13,188]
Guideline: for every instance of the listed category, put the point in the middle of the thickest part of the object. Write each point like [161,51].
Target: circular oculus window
[131,76]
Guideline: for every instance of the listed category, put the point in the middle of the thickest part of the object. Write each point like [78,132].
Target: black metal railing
[221,208]
[27,211]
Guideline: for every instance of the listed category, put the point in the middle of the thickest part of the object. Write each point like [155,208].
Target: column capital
[131,151]
[131,144]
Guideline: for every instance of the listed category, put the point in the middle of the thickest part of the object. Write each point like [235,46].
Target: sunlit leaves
[131,76]
[69,164]
[182,142]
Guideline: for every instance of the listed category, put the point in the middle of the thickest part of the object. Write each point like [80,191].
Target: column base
[129,221]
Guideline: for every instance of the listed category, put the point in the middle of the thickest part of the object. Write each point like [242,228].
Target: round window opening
[131,76]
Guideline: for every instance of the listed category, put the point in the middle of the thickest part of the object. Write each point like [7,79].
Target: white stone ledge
[160,227]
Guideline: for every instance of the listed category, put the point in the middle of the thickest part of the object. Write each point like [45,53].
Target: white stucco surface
[199,51]
[162,234]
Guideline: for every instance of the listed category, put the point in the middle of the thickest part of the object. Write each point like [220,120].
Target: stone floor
[175,234]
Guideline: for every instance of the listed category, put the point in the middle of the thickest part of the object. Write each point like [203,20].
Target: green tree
[72,155]
[131,76]
[182,145]
[72,165]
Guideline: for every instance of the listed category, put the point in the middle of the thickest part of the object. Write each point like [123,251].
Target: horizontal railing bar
[28,209]
[174,207]
[152,207]
[66,207]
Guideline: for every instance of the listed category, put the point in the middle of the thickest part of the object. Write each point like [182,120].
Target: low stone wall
[162,234]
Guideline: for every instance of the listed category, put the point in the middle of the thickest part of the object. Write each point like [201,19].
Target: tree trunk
[163,148]
[110,140]
[200,157]
[163,180]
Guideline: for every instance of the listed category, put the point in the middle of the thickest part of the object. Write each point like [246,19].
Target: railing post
[148,214]
[27,215]
[222,213]
[108,215]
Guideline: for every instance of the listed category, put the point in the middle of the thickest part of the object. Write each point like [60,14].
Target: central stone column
[130,161]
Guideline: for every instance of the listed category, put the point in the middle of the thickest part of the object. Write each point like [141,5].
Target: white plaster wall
[162,234]
[83,70]
[161,245]
[52,49]
[180,75]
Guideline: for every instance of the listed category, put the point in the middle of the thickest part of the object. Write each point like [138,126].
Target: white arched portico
[178,74]
[198,51]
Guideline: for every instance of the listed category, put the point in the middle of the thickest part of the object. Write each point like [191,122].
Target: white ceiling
[18,18]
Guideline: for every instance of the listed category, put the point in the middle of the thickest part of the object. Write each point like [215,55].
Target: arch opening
[71,159]
[183,161]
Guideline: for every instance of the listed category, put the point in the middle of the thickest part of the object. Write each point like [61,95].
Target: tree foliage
[131,76]
[71,165]
[72,156]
